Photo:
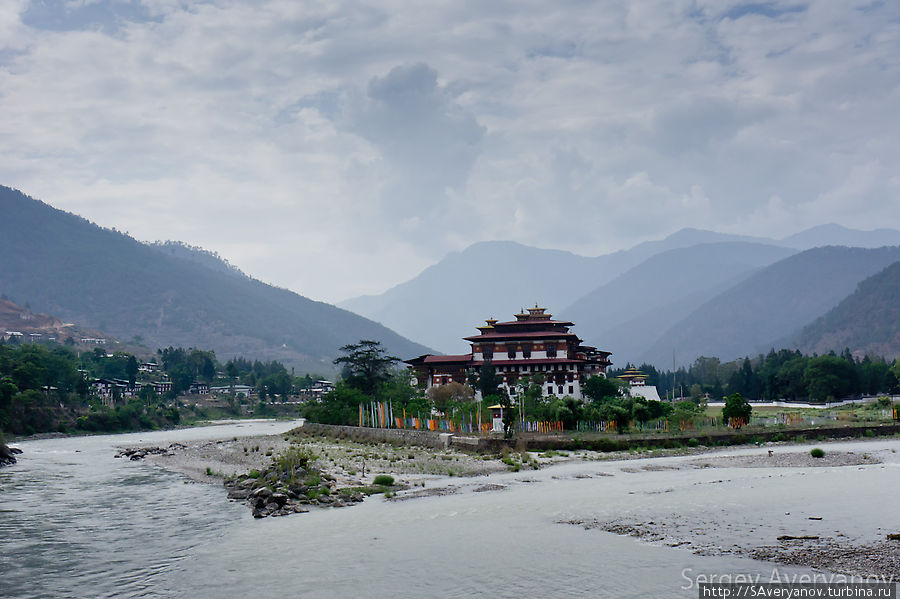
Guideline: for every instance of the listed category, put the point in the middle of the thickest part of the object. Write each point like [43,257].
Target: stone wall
[432,439]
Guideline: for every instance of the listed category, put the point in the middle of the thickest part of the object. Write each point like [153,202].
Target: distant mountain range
[168,294]
[767,308]
[867,321]
[693,293]
[630,312]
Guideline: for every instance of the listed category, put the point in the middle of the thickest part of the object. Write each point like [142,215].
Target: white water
[76,522]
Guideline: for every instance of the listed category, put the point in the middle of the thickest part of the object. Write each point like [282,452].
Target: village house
[532,344]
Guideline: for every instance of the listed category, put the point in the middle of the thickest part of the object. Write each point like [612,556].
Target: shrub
[692,442]
[817,452]
[384,479]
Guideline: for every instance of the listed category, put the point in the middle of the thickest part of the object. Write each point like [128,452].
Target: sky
[337,148]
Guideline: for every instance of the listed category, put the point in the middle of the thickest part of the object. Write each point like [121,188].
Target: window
[549,389]
[511,352]
[551,350]
[526,351]
[571,390]
[488,352]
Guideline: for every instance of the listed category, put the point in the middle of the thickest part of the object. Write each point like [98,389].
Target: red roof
[528,334]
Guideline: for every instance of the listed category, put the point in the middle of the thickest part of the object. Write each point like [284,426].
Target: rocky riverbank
[8,454]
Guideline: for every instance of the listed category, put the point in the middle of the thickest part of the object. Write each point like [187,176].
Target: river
[77,522]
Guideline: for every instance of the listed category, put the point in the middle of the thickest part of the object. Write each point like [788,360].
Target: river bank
[832,543]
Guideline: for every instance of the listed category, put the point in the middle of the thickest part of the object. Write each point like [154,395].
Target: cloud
[429,141]
[363,140]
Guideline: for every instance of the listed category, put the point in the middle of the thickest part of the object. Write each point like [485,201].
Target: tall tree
[365,365]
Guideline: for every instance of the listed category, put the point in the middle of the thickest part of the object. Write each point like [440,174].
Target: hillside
[867,322]
[18,319]
[771,305]
[63,265]
[628,314]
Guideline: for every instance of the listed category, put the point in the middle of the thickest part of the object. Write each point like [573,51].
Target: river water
[76,522]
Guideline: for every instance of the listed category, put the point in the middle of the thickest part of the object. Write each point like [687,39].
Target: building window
[560,390]
[549,389]
[511,353]
[487,351]
[571,390]
[551,350]
[526,351]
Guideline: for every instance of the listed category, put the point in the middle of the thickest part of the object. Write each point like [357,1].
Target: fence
[381,415]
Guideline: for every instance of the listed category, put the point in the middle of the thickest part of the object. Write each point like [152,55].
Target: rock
[238,494]
[247,483]
[894,536]
[801,538]
[7,455]
[279,498]
[261,492]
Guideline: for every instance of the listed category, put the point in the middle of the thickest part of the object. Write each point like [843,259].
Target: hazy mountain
[63,265]
[498,278]
[832,234]
[868,321]
[768,307]
[628,314]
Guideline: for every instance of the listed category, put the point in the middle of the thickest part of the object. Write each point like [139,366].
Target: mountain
[628,314]
[768,307]
[867,321]
[832,234]
[64,265]
[498,278]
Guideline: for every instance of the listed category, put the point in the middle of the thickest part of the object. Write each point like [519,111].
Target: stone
[279,498]
[261,492]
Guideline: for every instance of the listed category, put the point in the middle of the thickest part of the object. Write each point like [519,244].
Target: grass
[384,480]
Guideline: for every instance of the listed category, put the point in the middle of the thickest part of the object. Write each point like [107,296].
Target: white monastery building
[532,344]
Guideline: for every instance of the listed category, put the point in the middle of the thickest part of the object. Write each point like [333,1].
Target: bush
[692,442]
[384,479]
[817,452]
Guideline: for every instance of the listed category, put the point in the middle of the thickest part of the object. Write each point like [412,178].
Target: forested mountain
[64,265]
[630,312]
[769,307]
[868,321]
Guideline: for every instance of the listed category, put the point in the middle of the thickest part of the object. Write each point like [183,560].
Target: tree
[600,389]
[444,395]
[828,377]
[488,382]
[131,369]
[736,407]
[365,365]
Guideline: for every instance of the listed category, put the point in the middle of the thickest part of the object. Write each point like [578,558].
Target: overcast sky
[338,147]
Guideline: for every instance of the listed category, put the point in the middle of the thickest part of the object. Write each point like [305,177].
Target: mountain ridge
[64,265]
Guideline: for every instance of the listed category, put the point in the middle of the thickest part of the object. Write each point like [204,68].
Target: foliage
[736,407]
[294,461]
[384,479]
[817,452]
[366,365]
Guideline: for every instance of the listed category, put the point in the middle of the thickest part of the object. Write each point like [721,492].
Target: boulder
[7,455]
[261,492]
